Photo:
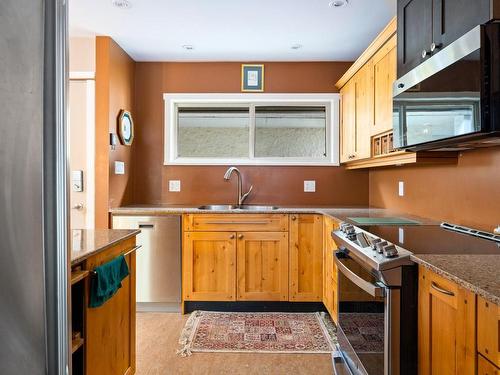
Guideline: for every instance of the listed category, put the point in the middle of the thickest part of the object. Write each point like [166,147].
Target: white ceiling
[234,30]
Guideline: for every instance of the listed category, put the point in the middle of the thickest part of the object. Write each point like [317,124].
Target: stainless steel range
[377,305]
[378,290]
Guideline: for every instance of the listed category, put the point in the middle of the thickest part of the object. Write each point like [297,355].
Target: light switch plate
[174,186]
[119,167]
[77,180]
[401,188]
[309,186]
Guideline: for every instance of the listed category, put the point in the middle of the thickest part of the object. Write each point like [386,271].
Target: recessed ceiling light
[122,4]
[188,47]
[296,46]
[338,3]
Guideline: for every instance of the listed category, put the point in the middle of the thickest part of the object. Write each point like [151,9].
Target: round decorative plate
[125,128]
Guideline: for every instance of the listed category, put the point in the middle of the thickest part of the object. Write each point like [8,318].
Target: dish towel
[107,280]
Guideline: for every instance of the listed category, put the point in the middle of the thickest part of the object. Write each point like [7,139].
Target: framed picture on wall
[252,78]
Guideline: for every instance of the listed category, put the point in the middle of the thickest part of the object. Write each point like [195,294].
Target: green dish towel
[107,280]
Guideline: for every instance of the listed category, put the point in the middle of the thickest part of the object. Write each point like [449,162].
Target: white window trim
[332,129]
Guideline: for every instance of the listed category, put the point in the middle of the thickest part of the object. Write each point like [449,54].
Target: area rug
[207,331]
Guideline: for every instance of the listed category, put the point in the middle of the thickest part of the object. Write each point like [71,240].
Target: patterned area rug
[257,333]
[364,331]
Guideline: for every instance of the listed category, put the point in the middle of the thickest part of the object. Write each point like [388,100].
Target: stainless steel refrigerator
[33,250]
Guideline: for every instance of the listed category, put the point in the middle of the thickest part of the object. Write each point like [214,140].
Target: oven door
[362,322]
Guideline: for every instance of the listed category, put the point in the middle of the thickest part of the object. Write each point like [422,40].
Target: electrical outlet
[309,186]
[401,188]
[174,186]
[119,167]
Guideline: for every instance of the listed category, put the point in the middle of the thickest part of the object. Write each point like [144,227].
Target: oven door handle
[340,366]
[372,289]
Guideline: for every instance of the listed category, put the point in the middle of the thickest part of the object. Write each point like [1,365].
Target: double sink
[231,207]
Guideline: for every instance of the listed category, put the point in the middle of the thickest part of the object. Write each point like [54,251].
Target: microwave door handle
[371,289]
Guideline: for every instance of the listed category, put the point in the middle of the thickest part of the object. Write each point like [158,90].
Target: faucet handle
[244,196]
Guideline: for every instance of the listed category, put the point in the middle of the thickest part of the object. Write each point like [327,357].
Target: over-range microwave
[452,100]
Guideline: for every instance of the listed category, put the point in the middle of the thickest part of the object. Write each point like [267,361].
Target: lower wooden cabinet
[330,288]
[262,263]
[209,266]
[447,321]
[484,367]
[306,258]
[488,330]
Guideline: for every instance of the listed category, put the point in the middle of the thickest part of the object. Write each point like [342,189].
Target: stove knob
[390,251]
[380,246]
[374,242]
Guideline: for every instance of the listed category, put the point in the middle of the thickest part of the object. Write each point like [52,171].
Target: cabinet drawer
[236,222]
[484,367]
[441,288]
[488,330]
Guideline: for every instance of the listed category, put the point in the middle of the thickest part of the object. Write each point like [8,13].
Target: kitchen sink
[229,207]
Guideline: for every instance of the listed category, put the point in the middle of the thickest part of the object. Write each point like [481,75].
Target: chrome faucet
[227,176]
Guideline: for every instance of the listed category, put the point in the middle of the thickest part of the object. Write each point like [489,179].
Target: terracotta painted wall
[467,193]
[115,81]
[205,184]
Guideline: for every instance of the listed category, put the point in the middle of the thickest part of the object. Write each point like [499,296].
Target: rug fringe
[187,334]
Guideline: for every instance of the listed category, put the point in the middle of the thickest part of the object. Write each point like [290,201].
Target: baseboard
[254,306]
[158,307]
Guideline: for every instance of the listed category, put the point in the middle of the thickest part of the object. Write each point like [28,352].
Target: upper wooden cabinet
[306,258]
[446,327]
[427,26]
[262,263]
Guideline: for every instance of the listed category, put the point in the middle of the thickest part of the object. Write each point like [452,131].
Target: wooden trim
[77,276]
[402,157]
[378,43]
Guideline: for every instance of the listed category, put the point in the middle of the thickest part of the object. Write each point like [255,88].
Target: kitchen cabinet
[488,330]
[330,289]
[348,121]
[484,367]
[306,258]
[446,321]
[427,26]
[110,328]
[262,263]
[209,266]
[384,75]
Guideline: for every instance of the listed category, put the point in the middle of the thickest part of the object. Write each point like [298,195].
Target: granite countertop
[477,273]
[87,242]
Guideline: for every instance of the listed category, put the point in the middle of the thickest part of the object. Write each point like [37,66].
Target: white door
[81,120]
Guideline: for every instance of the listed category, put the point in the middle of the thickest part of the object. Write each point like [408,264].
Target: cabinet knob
[425,53]
[231,237]
[240,236]
[435,46]
[294,217]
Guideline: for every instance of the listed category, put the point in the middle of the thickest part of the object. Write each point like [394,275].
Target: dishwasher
[158,262]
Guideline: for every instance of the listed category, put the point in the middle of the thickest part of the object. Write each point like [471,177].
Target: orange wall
[467,193]
[205,184]
[115,80]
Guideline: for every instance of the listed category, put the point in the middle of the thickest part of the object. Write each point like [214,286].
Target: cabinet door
[110,328]
[447,318]
[488,330]
[330,299]
[263,266]
[364,111]
[348,123]
[486,368]
[384,75]
[452,19]
[209,266]
[306,258]
[414,33]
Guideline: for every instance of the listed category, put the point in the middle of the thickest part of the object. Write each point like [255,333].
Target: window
[263,129]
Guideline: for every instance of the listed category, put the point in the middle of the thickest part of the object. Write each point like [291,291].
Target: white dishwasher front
[158,263]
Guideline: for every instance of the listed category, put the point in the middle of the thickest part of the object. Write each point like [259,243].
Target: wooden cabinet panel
[348,121]
[262,266]
[484,367]
[110,328]
[235,222]
[209,266]
[446,339]
[488,330]
[364,111]
[384,74]
[306,257]
[330,290]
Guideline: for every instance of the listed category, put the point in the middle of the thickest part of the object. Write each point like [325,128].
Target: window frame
[173,101]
